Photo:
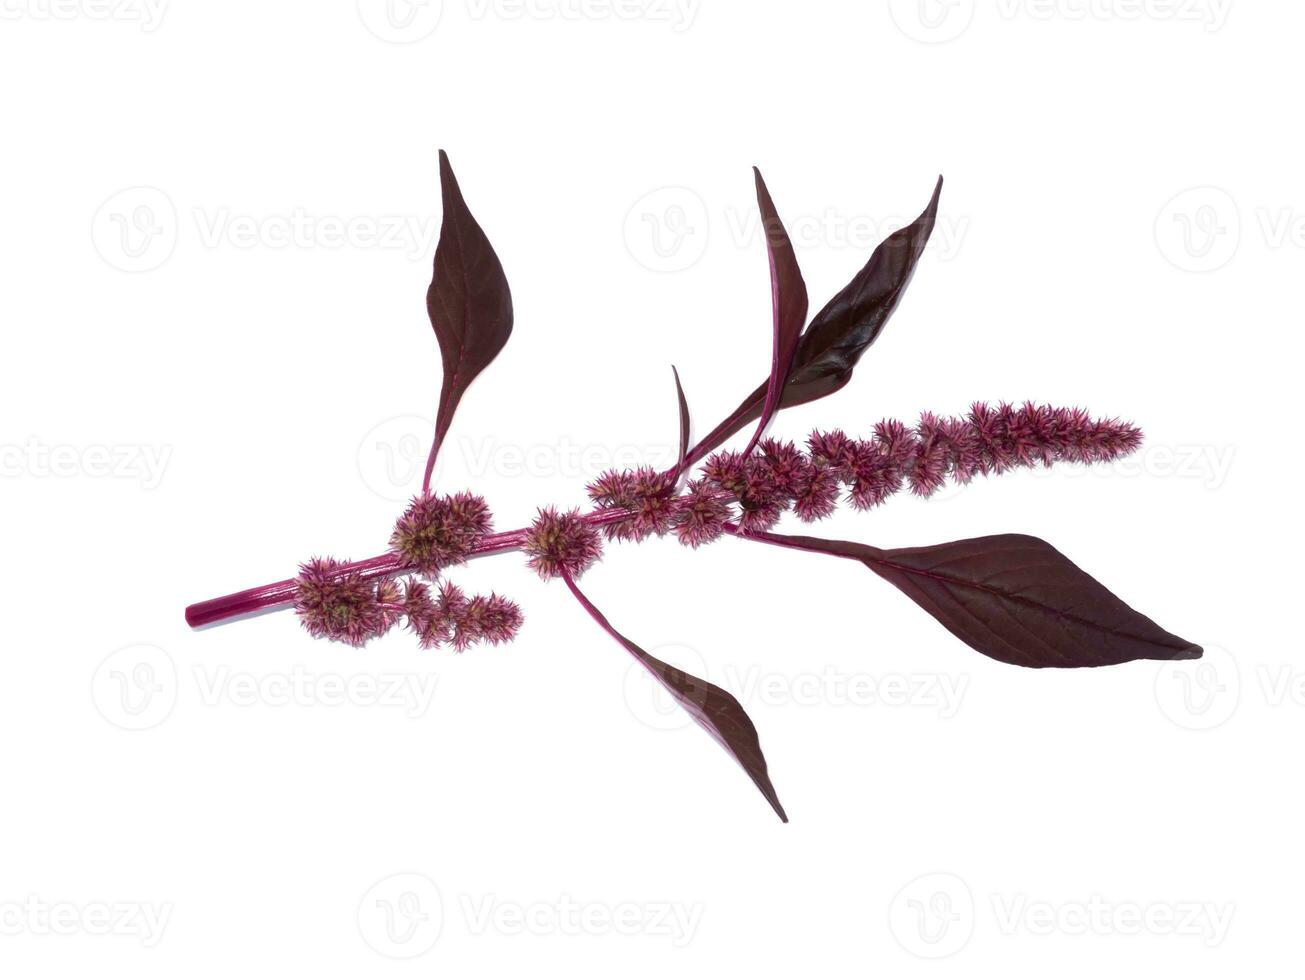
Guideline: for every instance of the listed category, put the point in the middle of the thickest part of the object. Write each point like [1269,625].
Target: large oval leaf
[1016,599]
[469,304]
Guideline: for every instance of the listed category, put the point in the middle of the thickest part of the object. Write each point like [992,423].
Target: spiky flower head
[438,531]
[341,606]
[817,496]
[561,541]
[646,493]
[490,619]
[783,465]
[702,512]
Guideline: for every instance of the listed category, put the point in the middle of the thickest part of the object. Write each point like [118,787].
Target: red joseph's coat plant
[1011,597]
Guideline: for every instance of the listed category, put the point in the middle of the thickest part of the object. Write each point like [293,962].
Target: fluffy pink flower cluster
[452,618]
[561,542]
[344,606]
[436,532]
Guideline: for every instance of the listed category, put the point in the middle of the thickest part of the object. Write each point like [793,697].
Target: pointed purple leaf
[684,424]
[839,334]
[469,304]
[715,710]
[1016,599]
[788,294]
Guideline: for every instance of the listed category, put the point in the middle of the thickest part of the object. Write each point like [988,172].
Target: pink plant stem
[282,593]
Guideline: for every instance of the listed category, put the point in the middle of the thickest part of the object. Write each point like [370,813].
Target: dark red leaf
[788,293]
[1016,599]
[684,424]
[840,333]
[714,709]
[469,303]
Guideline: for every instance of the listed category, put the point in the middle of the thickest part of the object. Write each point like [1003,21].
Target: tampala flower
[561,542]
[1011,597]
[645,493]
[436,532]
[341,605]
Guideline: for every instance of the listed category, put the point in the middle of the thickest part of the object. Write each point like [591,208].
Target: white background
[192,403]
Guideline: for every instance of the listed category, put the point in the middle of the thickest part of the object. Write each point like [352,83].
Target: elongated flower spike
[1010,597]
